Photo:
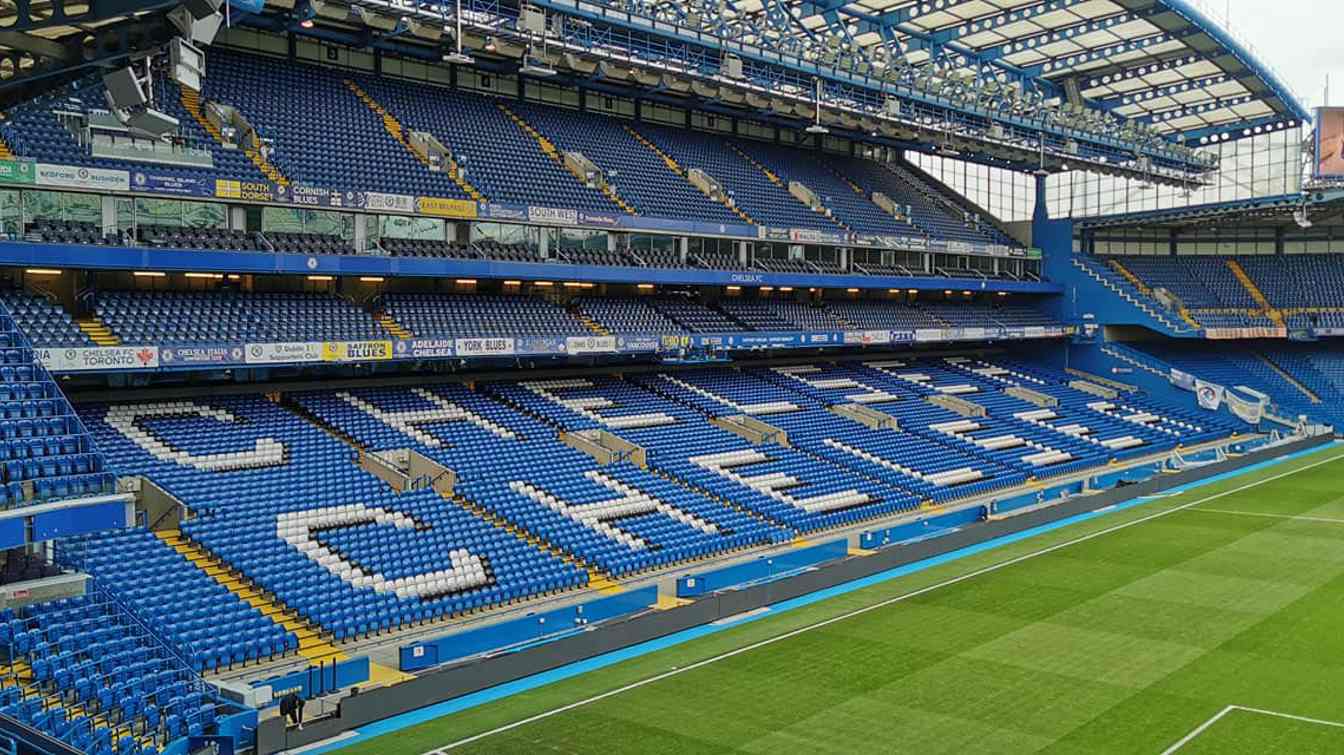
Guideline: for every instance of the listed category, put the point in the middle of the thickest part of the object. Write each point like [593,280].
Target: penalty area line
[866,609]
[1215,718]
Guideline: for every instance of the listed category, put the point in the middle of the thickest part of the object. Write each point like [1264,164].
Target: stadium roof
[1159,61]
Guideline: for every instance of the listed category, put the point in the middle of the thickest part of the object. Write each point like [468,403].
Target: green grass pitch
[1126,642]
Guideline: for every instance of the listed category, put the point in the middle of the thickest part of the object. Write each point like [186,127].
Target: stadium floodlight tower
[458,57]
[816,127]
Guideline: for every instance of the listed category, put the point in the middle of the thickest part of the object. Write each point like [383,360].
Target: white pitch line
[1185,740]
[860,611]
[1276,516]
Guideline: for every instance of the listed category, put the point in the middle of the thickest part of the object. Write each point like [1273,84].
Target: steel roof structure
[1161,62]
[1129,85]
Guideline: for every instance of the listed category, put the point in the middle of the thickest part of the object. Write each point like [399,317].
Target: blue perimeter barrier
[525,631]
[318,680]
[766,567]
[922,529]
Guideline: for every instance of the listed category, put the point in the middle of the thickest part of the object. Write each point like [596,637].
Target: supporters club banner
[75,177]
[1246,403]
[17,172]
[539,346]
[1210,395]
[552,216]
[495,211]
[483,347]
[99,358]
[190,356]
[867,337]
[356,351]
[590,344]
[377,201]
[162,183]
[423,348]
[604,220]
[1181,379]
[283,352]
[253,191]
[638,343]
[438,207]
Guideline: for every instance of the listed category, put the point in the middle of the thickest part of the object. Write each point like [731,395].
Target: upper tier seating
[849,207]
[500,160]
[765,202]
[637,173]
[471,315]
[42,137]
[1305,288]
[352,149]
[927,214]
[180,317]
[1298,281]
[1200,282]
[347,149]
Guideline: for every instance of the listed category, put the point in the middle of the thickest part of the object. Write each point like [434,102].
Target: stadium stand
[42,321]
[88,673]
[266,485]
[625,315]
[180,317]
[448,315]
[45,452]
[1300,290]
[637,173]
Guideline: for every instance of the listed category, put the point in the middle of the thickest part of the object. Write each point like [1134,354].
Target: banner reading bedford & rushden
[439,207]
[356,351]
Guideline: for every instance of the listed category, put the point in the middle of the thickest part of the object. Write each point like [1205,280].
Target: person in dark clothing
[291,707]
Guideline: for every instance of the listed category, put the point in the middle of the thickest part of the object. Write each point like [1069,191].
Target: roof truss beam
[1070,60]
[1198,108]
[1155,93]
[1062,34]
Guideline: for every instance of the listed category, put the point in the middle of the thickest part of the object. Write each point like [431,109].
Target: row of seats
[86,672]
[174,318]
[224,316]
[1306,288]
